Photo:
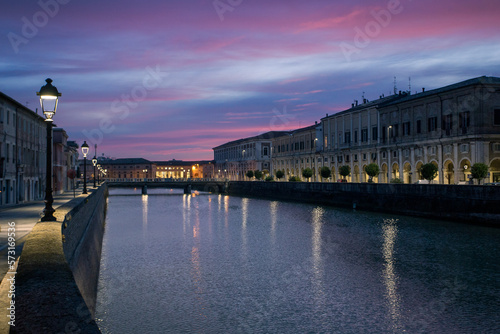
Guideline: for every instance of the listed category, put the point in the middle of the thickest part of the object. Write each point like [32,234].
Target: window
[265,151]
[431,124]
[326,159]
[364,135]
[347,158]
[301,145]
[347,138]
[394,154]
[447,149]
[419,126]
[374,133]
[384,132]
[431,150]
[447,124]
[496,117]
[383,155]
[339,158]
[496,147]
[333,140]
[364,156]
[355,157]
[464,148]
[464,121]
[406,128]
[395,128]
[355,136]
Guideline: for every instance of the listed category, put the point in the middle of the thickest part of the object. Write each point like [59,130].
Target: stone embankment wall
[464,203]
[56,281]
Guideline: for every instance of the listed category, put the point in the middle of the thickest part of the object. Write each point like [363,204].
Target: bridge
[208,185]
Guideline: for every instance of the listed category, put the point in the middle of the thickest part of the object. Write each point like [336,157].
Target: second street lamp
[94,162]
[85,150]
[49,96]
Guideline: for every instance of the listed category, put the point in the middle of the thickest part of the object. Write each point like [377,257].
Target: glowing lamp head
[85,149]
[94,161]
[49,95]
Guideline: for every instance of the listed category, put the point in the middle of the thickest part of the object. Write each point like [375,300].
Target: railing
[158,180]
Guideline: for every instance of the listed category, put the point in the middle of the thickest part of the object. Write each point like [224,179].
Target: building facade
[452,127]
[297,150]
[234,159]
[23,151]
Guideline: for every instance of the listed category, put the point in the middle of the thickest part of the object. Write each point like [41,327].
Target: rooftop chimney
[423,89]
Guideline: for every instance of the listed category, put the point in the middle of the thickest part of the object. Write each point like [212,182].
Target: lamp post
[98,168]
[85,150]
[94,162]
[49,96]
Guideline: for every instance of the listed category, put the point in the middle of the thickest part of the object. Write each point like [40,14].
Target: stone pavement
[25,216]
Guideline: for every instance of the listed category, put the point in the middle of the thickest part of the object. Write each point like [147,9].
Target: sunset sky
[165,79]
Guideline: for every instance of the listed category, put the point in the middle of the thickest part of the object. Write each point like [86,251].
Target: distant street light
[94,162]
[49,96]
[85,150]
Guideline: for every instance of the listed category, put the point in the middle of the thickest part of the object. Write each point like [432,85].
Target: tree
[279,174]
[479,171]
[249,174]
[257,174]
[396,180]
[307,173]
[429,171]
[294,179]
[325,172]
[345,171]
[372,170]
[269,178]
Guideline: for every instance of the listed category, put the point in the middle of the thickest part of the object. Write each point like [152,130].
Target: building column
[413,170]
[401,167]
[440,163]
[456,167]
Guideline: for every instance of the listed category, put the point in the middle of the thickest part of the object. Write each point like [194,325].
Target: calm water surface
[209,263]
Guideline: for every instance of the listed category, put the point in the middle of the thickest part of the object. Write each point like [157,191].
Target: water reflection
[244,218]
[144,215]
[390,233]
[274,219]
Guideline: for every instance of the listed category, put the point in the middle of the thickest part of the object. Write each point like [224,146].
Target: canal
[210,263]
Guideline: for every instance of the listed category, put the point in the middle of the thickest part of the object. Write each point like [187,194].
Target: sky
[171,79]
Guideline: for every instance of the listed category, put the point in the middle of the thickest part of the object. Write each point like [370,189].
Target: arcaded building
[452,127]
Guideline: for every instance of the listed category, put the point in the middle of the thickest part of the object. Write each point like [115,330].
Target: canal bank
[56,281]
[470,204]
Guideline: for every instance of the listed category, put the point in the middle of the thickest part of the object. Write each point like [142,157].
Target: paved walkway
[25,216]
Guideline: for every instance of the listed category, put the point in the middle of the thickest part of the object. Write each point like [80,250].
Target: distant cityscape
[452,127]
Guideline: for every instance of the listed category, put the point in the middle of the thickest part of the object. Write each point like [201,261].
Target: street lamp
[99,168]
[85,150]
[94,162]
[49,96]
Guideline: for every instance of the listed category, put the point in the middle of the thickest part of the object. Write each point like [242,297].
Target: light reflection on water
[210,263]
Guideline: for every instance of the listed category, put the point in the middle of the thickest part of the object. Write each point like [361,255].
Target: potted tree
[257,174]
[429,171]
[325,172]
[372,170]
[345,171]
[249,174]
[307,173]
[279,174]
[479,171]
